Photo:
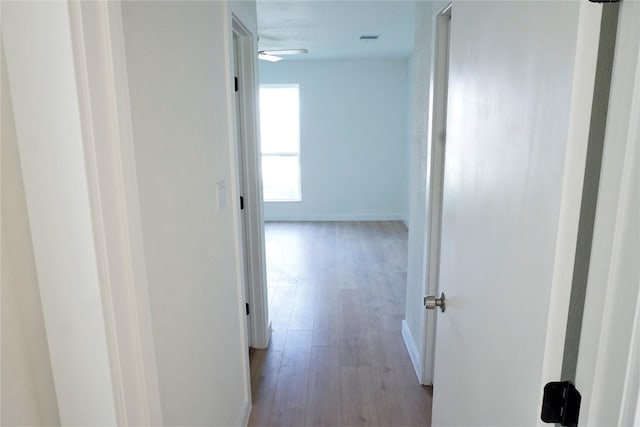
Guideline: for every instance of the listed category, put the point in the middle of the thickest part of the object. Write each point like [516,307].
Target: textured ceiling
[331,29]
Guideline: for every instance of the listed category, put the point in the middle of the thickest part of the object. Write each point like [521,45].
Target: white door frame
[435,173]
[84,87]
[608,369]
[101,69]
[249,165]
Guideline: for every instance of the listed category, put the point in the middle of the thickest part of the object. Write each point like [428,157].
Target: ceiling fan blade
[267,57]
[285,51]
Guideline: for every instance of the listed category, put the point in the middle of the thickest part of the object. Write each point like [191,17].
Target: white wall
[28,396]
[353,138]
[178,59]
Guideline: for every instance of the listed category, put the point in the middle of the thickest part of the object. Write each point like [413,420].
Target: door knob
[431,302]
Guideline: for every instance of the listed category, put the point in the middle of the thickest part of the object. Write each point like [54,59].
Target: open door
[249,188]
[436,157]
[521,86]
[241,172]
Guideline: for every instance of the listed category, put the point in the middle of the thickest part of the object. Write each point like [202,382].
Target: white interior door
[520,89]
[241,183]
[247,167]
[437,149]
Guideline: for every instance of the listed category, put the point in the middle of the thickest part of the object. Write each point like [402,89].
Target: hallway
[337,357]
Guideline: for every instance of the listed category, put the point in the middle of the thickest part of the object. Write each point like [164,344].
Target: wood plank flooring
[336,300]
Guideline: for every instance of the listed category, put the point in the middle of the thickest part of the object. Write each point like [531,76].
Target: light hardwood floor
[336,300]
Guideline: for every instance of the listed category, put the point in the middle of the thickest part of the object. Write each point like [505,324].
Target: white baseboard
[412,349]
[246,413]
[336,217]
[268,335]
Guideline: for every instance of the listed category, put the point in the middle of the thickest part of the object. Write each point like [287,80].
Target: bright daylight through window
[280,142]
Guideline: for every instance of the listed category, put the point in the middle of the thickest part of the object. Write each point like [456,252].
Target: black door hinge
[561,403]
[235,83]
[241,203]
[246,304]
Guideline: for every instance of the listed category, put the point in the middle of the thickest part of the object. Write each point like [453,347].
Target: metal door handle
[431,302]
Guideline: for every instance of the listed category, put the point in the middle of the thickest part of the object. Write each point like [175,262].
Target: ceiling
[331,29]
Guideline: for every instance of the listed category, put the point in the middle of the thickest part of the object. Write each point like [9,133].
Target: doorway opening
[337,259]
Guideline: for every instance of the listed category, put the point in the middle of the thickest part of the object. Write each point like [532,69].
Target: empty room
[334,121]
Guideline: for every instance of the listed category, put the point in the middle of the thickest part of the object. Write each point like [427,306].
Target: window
[280,142]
